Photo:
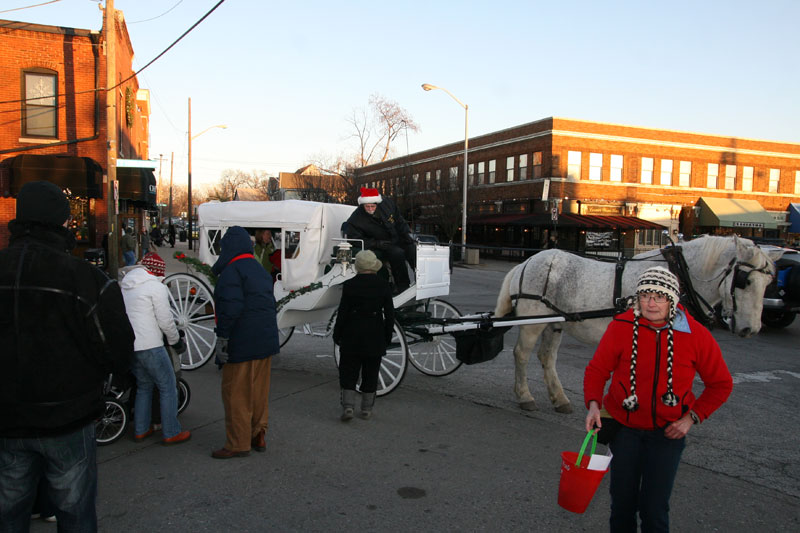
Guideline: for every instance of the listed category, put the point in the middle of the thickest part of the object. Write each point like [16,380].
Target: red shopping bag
[578,484]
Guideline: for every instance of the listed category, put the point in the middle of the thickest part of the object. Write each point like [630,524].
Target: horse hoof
[528,406]
[564,409]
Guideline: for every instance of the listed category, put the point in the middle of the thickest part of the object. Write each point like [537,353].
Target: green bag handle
[583,447]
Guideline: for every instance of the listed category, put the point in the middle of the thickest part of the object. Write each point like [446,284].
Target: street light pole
[429,87]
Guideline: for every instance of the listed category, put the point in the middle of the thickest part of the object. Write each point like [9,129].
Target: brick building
[597,187]
[53,127]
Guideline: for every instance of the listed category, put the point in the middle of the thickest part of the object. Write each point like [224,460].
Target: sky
[285,76]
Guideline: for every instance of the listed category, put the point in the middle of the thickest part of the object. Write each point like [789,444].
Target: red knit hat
[153,262]
[369,196]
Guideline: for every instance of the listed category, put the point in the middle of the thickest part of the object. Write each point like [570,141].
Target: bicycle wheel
[112,423]
[184,395]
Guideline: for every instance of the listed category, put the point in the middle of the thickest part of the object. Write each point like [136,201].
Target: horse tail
[504,305]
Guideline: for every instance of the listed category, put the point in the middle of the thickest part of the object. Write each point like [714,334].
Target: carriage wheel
[184,395]
[393,364]
[192,305]
[436,357]
[284,334]
[111,424]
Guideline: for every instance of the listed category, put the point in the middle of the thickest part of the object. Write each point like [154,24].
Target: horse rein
[740,280]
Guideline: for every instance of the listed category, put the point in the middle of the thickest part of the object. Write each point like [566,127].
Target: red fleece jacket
[695,352]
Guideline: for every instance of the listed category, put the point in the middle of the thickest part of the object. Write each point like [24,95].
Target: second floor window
[774,178]
[684,177]
[481,172]
[573,165]
[647,170]
[730,177]
[471,173]
[510,168]
[39,117]
[666,172]
[797,182]
[713,173]
[595,166]
[492,170]
[747,179]
[537,164]
[616,168]
[454,177]
[523,166]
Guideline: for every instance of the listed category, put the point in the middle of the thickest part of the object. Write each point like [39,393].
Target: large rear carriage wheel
[435,356]
[393,364]
[192,305]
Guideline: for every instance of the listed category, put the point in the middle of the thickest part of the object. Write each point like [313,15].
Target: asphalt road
[451,453]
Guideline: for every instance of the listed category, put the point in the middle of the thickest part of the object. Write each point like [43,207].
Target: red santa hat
[369,196]
[153,262]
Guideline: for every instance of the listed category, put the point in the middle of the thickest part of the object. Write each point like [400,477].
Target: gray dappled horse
[729,270]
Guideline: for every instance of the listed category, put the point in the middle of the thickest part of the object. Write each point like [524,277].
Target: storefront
[726,216]
[137,198]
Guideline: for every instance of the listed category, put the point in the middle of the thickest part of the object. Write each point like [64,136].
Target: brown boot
[259,444]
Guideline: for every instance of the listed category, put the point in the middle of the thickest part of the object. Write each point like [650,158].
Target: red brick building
[644,179]
[53,127]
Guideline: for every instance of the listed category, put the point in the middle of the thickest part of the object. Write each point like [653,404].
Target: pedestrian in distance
[247,338]
[378,222]
[171,235]
[148,308]
[363,330]
[144,243]
[128,246]
[63,329]
[651,353]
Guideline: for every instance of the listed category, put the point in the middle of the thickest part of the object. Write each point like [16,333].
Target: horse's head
[742,287]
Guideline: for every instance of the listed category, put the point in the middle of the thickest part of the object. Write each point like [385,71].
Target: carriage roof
[317,223]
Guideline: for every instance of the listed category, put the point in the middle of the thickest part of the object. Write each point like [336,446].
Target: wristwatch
[695,418]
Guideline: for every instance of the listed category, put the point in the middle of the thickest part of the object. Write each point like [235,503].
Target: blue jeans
[68,462]
[643,472]
[154,367]
[129,257]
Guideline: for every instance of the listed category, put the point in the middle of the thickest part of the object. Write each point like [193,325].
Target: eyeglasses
[656,297]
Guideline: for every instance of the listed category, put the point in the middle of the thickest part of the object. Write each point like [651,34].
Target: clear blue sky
[284,76]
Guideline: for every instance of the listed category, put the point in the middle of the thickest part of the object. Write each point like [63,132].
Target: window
[454,177]
[666,172]
[684,178]
[574,165]
[537,164]
[39,116]
[523,167]
[747,179]
[616,168]
[414,182]
[471,173]
[774,177]
[713,173]
[730,177]
[797,182]
[647,170]
[428,180]
[438,178]
[595,167]
[481,172]
[510,168]
[492,170]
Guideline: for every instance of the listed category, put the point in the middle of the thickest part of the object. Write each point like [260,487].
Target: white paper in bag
[600,462]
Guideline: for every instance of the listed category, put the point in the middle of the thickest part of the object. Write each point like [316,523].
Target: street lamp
[429,87]
[189,196]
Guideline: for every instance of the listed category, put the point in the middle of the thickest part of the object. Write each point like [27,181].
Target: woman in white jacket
[147,305]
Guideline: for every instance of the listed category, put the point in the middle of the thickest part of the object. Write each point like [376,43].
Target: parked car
[782,296]
[421,237]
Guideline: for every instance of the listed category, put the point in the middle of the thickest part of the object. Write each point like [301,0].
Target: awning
[794,218]
[604,222]
[81,176]
[137,185]
[496,219]
[729,213]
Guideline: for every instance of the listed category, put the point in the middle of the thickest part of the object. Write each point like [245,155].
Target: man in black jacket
[63,328]
[379,223]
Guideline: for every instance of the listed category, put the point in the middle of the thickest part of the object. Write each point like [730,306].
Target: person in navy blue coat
[247,337]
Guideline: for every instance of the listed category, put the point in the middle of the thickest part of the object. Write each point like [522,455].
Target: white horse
[729,270]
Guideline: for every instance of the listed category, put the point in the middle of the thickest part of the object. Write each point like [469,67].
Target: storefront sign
[748,224]
[599,239]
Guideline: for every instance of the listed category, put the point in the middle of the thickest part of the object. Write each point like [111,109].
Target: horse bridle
[740,280]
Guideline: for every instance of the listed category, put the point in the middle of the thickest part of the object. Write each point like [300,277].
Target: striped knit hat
[661,281]
[153,262]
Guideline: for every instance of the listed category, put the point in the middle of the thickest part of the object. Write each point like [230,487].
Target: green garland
[295,293]
[198,265]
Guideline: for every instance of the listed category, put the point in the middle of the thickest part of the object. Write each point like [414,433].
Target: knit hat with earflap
[154,264]
[369,196]
[661,281]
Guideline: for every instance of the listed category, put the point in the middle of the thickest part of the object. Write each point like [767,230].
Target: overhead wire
[156,17]
[28,7]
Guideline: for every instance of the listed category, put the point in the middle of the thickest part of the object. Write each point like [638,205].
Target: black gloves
[221,351]
[382,245]
[179,346]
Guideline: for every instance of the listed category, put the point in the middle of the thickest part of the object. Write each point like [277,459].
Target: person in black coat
[363,330]
[378,222]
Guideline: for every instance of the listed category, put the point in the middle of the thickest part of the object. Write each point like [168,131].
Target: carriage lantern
[345,253]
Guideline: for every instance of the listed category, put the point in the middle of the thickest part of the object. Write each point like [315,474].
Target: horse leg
[522,355]
[548,354]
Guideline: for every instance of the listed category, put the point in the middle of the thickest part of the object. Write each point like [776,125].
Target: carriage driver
[378,222]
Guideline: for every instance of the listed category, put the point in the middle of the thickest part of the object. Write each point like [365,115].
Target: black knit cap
[41,201]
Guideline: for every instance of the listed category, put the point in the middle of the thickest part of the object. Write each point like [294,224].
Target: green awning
[729,213]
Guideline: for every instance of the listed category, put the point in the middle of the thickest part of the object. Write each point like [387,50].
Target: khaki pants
[245,395]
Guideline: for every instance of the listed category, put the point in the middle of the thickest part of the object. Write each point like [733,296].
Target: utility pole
[189,199]
[111,131]
[171,166]
[158,188]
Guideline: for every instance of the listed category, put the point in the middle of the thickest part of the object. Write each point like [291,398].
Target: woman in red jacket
[651,354]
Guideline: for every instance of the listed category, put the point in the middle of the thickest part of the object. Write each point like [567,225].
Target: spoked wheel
[111,425]
[184,395]
[192,305]
[435,357]
[284,334]
[393,364]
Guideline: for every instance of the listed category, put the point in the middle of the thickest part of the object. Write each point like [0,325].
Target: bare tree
[377,127]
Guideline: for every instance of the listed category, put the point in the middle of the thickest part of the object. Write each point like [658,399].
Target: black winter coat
[365,320]
[63,328]
[386,225]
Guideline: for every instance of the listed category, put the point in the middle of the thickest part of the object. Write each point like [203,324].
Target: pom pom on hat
[369,196]
[43,202]
[154,264]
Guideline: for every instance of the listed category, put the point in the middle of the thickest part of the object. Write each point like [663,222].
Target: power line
[28,7]
[158,16]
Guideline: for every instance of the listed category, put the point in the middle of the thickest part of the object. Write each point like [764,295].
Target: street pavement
[427,461]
